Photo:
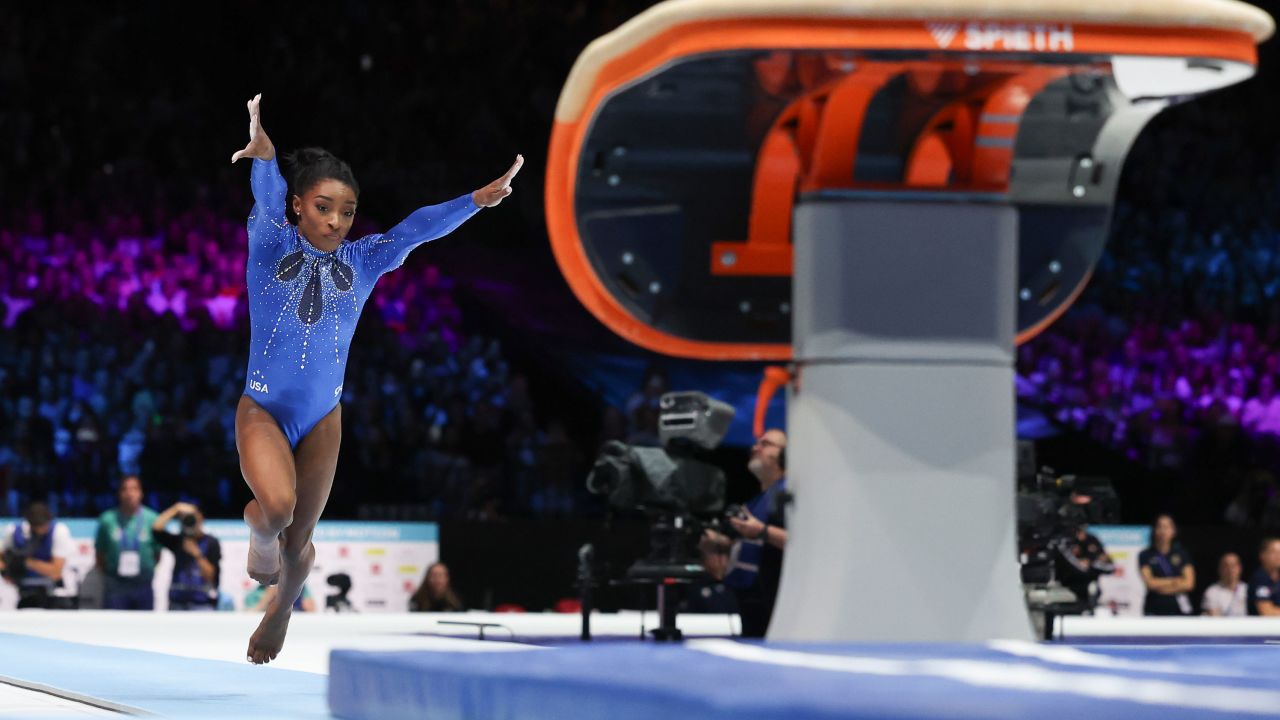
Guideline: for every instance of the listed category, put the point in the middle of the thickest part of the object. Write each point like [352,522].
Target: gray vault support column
[901,455]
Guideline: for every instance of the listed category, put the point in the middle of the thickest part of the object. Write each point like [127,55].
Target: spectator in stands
[642,409]
[151,415]
[1187,287]
[33,553]
[127,550]
[1167,571]
[1264,408]
[1229,596]
[197,558]
[1257,505]
[436,594]
[1264,587]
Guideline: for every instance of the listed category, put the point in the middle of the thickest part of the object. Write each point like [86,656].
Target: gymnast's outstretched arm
[387,251]
[269,188]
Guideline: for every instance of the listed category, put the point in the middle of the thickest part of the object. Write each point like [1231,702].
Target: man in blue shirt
[1264,587]
[756,559]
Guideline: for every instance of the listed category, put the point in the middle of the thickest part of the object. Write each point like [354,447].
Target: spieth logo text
[1039,37]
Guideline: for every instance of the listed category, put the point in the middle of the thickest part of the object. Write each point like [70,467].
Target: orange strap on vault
[774,377]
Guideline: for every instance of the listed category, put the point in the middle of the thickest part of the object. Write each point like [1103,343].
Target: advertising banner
[384,562]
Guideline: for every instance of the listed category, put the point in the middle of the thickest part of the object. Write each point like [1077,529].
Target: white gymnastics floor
[100,663]
[191,665]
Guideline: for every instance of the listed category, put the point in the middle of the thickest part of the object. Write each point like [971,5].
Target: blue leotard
[304,303]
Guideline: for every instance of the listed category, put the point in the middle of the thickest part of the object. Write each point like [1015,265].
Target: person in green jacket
[127,550]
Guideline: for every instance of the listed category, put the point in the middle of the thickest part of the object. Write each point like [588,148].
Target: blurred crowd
[122,263]
[122,245]
[1172,355]
[123,351]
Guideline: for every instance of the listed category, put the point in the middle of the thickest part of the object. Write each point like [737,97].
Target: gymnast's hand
[259,144]
[494,192]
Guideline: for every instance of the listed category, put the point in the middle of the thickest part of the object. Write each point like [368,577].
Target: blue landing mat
[1170,640]
[164,685]
[726,680]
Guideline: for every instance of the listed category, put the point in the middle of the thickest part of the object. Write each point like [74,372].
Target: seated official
[1264,586]
[1229,597]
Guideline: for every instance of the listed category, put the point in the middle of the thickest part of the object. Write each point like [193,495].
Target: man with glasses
[756,558]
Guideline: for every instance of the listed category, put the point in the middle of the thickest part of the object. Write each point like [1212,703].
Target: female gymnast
[307,284]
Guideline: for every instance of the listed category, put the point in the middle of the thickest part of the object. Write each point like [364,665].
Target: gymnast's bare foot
[264,562]
[267,640]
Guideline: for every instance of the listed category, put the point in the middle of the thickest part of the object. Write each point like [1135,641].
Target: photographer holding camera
[32,555]
[196,558]
[756,558]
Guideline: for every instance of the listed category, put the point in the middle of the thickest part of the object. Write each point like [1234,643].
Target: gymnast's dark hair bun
[307,166]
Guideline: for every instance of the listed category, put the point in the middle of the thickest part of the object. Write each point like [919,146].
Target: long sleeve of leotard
[381,253]
[269,190]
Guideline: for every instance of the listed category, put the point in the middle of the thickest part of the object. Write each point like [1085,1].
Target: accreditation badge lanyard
[130,564]
[1163,561]
[1184,603]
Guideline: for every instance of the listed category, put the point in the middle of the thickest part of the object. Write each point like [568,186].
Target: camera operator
[196,558]
[757,557]
[32,555]
[1080,561]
